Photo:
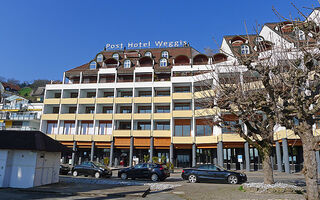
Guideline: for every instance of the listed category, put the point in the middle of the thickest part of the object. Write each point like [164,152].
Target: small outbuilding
[29,159]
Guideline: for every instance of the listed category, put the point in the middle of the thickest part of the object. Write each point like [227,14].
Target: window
[115,56]
[145,93]
[162,126]
[90,110]
[144,126]
[86,128]
[182,89]
[126,94]
[91,94]
[125,126]
[148,53]
[144,109]
[93,65]
[229,127]
[125,109]
[57,95]
[74,95]
[245,50]
[52,128]
[203,129]
[163,62]
[108,94]
[72,109]
[165,54]
[301,35]
[182,127]
[162,109]
[108,110]
[69,128]
[55,110]
[163,93]
[259,39]
[100,58]
[105,128]
[127,64]
[182,106]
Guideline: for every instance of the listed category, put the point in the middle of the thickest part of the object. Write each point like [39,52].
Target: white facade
[25,168]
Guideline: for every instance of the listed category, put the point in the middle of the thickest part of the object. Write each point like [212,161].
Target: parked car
[212,172]
[155,172]
[64,169]
[92,169]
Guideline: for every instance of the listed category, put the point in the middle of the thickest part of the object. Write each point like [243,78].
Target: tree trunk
[310,165]
[267,165]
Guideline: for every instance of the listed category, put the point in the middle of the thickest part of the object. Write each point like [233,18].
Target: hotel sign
[149,44]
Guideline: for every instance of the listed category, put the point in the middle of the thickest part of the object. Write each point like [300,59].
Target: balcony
[162,116]
[123,100]
[85,116]
[122,116]
[102,116]
[161,133]
[84,138]
[11,107]
[182,140]
[165,99]
[20,128]
[69,101]
[64,137]
[187,95]
[121,133]
[232,138]
[102,138]
[50,117]
[142,99]
[142,116]
[141,133]
[206,112]
[206,139]
[105,100]
[204,94]
[87,100]
[67,116]
[52,101]
[182,113]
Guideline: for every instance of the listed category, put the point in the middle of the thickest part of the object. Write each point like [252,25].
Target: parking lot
[172,188]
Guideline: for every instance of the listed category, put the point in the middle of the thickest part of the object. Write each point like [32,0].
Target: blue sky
[40,39]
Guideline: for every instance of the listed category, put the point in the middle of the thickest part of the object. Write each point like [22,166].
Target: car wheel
[124,176]
[232,179]
[97,175]
[192,178]
[154,177]
[74,173]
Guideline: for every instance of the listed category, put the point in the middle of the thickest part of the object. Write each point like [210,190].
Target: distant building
[33,159]
[16,113]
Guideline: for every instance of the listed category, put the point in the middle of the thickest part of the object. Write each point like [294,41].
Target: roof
[134,55]
[39,91]
[30,140]
[11,86]
[15,97]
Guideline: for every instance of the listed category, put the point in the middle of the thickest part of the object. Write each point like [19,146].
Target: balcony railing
[11,107]
[16,116]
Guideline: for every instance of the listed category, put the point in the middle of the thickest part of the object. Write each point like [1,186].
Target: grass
[241,189]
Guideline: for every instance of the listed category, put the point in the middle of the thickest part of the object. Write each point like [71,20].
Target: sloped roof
[10,85]
[30,140]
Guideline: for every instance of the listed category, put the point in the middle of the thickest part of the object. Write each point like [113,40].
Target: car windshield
[98,164]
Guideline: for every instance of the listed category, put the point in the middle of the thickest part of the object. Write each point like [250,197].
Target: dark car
[212,172]
[155,172]
[92,169]
[64,169]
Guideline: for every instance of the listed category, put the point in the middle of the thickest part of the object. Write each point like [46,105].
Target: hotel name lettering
[149,44]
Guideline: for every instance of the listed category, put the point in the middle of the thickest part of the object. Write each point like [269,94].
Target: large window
[163,62]
[52,128]
[145,94]
[107,109]
[182,127]
[148,53]
[182,89]
[115,56]
[90,110]
[203,128]
[160,93]
[105,128]
[162,126]
[125,109]
[127,64]
[93,65]
[69,128]
[229,127]
[86,128]
[144,126]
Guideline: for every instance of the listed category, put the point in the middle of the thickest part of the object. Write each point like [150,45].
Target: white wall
[47,168]
[3,166]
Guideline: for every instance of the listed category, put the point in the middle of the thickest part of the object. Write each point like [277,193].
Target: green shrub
[146,158]
[106,161]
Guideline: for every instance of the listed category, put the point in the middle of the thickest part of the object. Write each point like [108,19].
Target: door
[202,172]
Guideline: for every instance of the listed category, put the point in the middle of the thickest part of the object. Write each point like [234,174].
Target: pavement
[172,188]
